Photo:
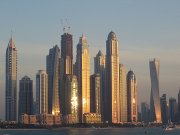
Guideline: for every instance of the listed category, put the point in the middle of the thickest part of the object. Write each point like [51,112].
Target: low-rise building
[91,118]
[42,119]
[70,119]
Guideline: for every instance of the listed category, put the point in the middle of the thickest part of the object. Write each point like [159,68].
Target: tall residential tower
[123,93]
[83,75]
[112,80]
[132,97]
[41,92]
[11,81]
[99,68]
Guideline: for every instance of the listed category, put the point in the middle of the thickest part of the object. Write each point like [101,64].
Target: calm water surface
[92,131]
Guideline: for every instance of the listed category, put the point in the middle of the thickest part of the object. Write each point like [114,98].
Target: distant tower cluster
[68,92]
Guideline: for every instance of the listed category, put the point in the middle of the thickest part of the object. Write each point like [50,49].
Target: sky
[145,29]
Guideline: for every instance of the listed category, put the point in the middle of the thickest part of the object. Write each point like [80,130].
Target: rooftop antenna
[64,27]
[68,26]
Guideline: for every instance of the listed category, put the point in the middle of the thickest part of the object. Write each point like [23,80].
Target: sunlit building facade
[155,108]
[71,95]
[11,81]
[52,67]
[112,111]
[41,92]
[123,93]
[83,75]
[132,97]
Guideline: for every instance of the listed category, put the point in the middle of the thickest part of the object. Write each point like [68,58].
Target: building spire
[11,34]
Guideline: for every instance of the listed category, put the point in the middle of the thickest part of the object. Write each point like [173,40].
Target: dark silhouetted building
[66,66]
[25,96]
[96,96]
[145,112]
[164,109]
[172,109]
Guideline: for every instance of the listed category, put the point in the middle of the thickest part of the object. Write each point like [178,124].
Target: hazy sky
[145,29]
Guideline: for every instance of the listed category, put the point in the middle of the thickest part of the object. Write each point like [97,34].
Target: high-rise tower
[41,92]
[66,66]
[95,94]
[83,75]
[99,68]
[11,81]
[123,93]
[155,108]
[25,96]
[71,95]
[132,97]
[52,67]
[67,53]
[112,80]
[164,109]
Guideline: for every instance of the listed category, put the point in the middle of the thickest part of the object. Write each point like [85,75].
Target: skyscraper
[71,95]
[41,92]
[123,93]
[52,67]
[155,109]
[11,81]
[179,106]
[164,109]
[172,109]
[112,113]
[99,68]
[67,52]
[66,66]
[145,112]
[96,96]
[83,74]
[132,97]
[25,96]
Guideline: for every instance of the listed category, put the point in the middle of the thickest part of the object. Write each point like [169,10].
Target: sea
[91,131]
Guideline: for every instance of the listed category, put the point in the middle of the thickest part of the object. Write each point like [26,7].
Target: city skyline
[132,55]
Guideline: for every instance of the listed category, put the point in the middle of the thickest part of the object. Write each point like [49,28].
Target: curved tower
[112,93]
[11,81]
[155,108]
[52,67]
